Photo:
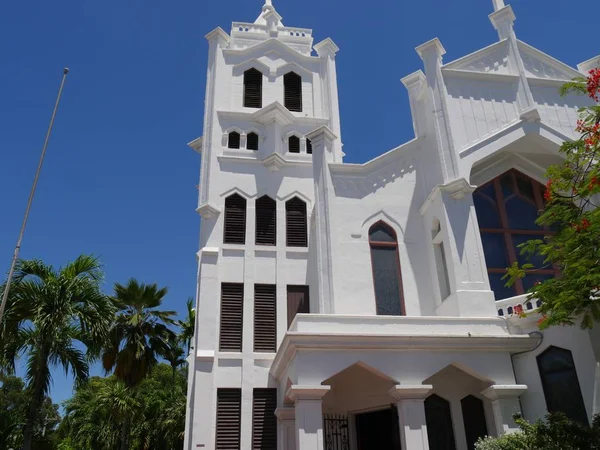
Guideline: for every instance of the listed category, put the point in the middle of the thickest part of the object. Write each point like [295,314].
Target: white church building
[361,306]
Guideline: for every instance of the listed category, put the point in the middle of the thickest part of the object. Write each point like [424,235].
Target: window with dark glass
[253,88]
[235,220]
[473,419]
[234,140]
[266,221]
[252,141]
[296,223]
[560,383]
[297,302]
[294,144]
[441,264]
[507,208]
[440,431]
[309,147]
[385,263]
[292,85]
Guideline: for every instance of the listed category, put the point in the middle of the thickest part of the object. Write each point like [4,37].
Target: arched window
[387,278]
[266,224]
[252,141]
[309,147]
[292,85]
[438,417]
[507,208]
[233,140]
[235,220]
[253,88]
[441,265]
[296,223]
[560,383]
[473,420]
[294,144]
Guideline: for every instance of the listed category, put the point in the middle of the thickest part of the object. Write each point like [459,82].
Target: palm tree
[188,325]
[174,355]
[138,337]
[50,313]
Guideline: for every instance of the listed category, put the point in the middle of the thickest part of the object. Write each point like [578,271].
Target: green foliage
[51,313]
[188,325]
[14,402]
[572,214]
[155,408]
[555,432]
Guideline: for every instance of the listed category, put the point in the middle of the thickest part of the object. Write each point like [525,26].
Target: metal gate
[335,432]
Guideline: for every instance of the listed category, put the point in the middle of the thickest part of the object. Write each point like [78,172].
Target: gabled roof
[491,59]
[540,65]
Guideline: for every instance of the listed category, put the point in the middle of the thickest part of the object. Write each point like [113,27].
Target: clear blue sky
[119,181]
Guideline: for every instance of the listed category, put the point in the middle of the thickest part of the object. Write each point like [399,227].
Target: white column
[505,403]
[286,417]
[309,415]
[322,142]
[411,414]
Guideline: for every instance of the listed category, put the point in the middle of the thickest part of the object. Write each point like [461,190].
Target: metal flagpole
[31,194]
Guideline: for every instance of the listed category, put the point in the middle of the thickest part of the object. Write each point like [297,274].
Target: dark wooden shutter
[266,221]
[253,88]
[295,223]
[309,147]
[235,220]
[264,422]
[265,318]
[294,144]
[229,413]
[297,302]
[252,141]
[292,98]
[232,317]
[234,140]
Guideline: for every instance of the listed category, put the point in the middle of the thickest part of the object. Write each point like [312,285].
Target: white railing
[515,306]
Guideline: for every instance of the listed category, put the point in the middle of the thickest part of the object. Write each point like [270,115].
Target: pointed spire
[268,3]
[268,16]
[498,4]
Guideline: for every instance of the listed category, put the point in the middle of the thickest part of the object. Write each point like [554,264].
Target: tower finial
[268,3]
[498,4]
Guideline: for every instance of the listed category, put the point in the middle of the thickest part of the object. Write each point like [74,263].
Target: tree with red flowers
[572,215]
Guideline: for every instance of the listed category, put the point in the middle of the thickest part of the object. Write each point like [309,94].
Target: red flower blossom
[518,309]
[593,84]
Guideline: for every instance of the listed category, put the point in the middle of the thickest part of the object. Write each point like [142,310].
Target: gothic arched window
[296,223]
[560,383]
[252,141]
[292,96]
[387,278]
[253,88]
[266,221]
[294,144]
[235,220]
[233,140]
[507,208]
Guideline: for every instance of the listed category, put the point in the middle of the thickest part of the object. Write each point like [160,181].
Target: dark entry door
[378,430]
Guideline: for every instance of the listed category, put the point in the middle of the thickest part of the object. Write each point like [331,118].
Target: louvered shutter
[295,223]
[229,412]
[252,141]
[297,302]
[253,88]
[235,220]
[292,85]
[232,316]
[294,144]
[265,317]
[234,140]
[264,421]
[266,221]
[309,147]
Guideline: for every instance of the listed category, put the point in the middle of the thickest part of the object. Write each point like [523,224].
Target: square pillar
[505,403]
[410,401]
[309,415]
[286,418]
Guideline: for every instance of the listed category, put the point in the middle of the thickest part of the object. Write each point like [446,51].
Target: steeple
[269,17]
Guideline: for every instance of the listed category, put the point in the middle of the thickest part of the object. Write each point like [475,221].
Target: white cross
[498,4]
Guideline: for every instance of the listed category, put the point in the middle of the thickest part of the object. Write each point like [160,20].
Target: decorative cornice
[499,391]
[285,413]
[209,251]
[457,189]
[274,162]
[415,83]
[272,112]
[208,211]
[218,33]
[326,48]
[205,355]
[307,392]
[322,131]
[433,44]
[505,14]
[530,115]
[410,392]
[196,144]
